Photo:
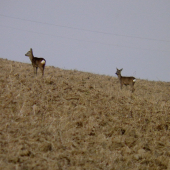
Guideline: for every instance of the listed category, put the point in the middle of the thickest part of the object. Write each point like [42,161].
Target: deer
[125,80]
[36,62]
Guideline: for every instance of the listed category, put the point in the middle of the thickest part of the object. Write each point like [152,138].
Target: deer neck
[119,76]
[31,57]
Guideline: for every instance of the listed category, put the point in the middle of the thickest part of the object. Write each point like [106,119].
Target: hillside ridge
[77,120]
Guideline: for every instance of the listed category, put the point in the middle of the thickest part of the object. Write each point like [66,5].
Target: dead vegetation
[77,120]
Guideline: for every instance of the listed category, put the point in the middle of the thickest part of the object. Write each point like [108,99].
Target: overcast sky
[90,35]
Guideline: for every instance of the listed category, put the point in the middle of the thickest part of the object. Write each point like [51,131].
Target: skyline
[92,36]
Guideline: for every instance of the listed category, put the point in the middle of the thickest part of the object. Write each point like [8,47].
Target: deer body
[125,80]
[36,62]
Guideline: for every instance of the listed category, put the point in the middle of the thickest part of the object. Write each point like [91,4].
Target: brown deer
[125,80]
[36,62]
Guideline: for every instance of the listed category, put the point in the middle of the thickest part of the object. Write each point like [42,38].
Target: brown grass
[76,120]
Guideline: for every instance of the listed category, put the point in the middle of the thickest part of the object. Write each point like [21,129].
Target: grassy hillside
[77,120]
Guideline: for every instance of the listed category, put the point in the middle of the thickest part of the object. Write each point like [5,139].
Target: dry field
[81,121]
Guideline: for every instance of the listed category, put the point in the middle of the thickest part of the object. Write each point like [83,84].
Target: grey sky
[90,35]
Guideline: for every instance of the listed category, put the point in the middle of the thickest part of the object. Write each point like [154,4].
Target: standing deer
[125,80]
[36,62]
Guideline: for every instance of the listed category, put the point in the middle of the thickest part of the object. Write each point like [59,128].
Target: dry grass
[76,120]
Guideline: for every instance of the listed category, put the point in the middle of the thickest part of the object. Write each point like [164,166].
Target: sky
[94,36]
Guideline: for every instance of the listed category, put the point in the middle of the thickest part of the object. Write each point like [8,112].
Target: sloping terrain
[77,120]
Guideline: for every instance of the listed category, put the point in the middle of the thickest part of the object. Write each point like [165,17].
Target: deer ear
[121,69]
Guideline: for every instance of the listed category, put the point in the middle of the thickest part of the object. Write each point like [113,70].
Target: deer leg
[121,85]
[133,89]
[42,70]
[36,70]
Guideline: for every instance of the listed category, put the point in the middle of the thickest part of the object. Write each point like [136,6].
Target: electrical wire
[87,30]
[81,40]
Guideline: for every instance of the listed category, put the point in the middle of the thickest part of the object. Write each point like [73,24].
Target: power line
[76,39]
[87,30]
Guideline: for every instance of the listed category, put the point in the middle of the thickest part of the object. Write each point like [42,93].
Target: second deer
[36,62]
[125,80]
